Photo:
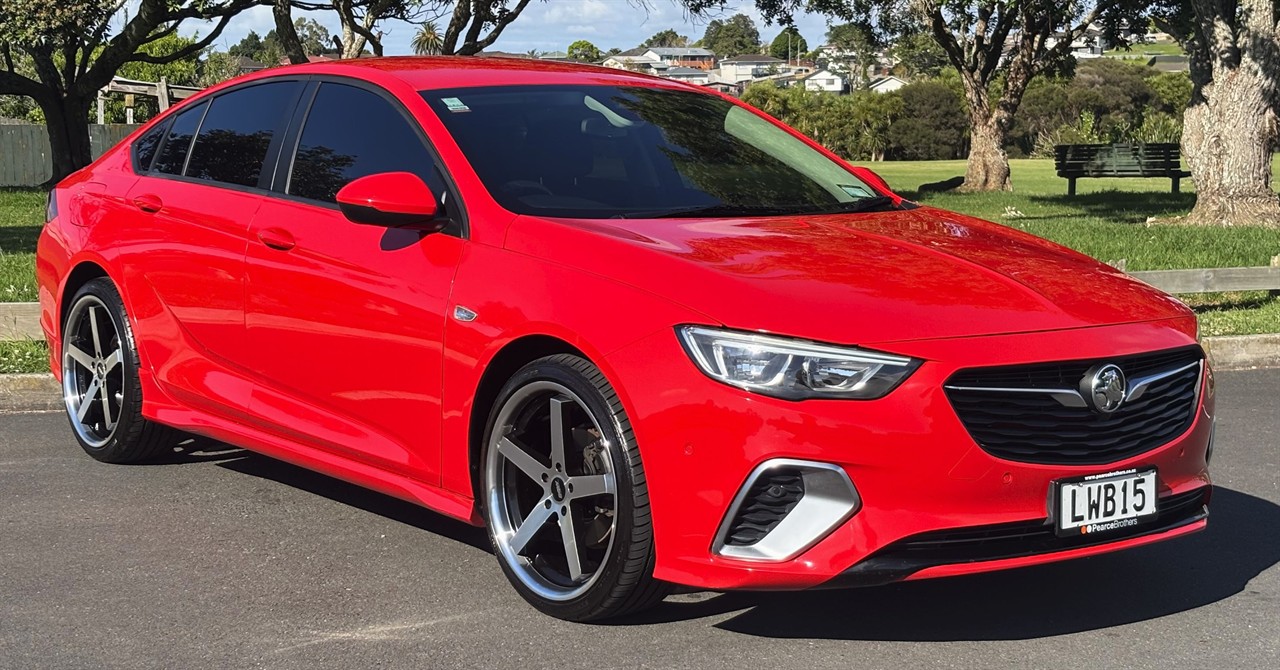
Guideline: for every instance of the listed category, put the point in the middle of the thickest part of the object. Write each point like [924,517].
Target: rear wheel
[564,494]
[100,385]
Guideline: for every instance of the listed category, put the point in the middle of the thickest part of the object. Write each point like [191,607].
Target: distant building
[886,84]
[749,66]
[690,57]
[245,65]
[825,80]
[690,75]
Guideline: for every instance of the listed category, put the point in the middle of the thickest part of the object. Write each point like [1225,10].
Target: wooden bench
[1074,161]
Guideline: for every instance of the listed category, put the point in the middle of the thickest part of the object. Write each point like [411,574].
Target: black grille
[769,499]
[1036,428]
[1009,540]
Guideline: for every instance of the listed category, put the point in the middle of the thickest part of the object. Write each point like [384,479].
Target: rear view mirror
[391,200]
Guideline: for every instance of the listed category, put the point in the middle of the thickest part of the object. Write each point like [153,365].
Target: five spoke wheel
[552,491]
[92,372]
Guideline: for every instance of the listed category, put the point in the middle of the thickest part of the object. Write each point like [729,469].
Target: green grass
[24,356]
[21,217]
[1107,219]
[1146,51]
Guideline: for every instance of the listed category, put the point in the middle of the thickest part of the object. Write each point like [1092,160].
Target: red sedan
[647,335]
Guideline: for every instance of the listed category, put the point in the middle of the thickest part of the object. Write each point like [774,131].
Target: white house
[689,75]
[825,80]
[885,84]
[749,66]
[636,63]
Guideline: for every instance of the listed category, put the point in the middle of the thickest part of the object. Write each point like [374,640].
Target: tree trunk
[1228,132]
[67,122]
[988,167]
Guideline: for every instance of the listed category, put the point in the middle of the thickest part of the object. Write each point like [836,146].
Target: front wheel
[564,494]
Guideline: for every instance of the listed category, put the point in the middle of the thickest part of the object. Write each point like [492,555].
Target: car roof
[439,72]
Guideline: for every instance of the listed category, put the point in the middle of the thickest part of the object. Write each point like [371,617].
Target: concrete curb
[29,393]
[39,392]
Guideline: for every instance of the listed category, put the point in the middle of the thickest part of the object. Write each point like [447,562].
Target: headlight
[793,369]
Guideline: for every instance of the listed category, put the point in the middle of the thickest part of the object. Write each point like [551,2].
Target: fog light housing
[785,507]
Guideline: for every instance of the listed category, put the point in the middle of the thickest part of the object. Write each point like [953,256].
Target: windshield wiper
[878,203]
[709,210]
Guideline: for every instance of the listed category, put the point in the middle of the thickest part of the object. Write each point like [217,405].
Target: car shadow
[1042,601]
[256,465]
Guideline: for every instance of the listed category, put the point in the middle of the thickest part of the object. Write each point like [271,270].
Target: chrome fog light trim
[829,499]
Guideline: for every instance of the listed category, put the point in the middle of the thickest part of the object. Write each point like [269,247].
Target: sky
[550,25]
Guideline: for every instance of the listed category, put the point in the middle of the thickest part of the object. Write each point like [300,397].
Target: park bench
[1073,161]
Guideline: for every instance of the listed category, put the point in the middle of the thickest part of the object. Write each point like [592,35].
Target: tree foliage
[788,45]
[584,51]
[733,37]
[75,47]
[666,38]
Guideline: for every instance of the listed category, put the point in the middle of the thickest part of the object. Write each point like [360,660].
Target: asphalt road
[226,559]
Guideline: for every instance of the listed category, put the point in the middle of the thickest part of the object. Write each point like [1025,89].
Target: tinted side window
[144,148]
[351,133]
[174,152]
[233,140]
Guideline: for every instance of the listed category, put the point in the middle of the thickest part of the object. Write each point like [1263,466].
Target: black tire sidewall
[594,603]
[119,448]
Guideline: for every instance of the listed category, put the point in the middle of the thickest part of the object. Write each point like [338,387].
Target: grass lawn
[1107,220]
[21,217]
[24,356]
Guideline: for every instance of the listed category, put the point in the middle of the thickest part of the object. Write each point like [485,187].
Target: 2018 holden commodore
[645,334]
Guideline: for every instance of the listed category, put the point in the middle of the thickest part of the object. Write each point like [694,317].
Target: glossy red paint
[396,193]
[277,324]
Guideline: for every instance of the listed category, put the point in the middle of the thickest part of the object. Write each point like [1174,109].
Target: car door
[195,201]
[345,321]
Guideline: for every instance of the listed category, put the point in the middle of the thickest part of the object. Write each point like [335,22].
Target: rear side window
[145,147]
[173,155]
[236,133]
[351,132]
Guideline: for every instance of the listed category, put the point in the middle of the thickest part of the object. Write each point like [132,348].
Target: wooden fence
[24,150]
[21,320]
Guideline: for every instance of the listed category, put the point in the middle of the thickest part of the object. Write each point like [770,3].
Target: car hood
[853,278]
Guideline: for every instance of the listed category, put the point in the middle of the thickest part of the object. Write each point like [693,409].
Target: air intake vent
[770,498]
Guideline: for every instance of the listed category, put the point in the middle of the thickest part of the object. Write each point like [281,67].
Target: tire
[526,480]
[110,428]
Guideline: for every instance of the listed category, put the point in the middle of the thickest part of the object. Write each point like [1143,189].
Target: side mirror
[391,200]
[869,176]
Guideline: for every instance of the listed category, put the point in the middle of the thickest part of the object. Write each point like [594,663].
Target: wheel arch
[84,272]
[501,367]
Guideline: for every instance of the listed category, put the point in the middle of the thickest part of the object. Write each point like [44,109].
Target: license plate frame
[1123,485]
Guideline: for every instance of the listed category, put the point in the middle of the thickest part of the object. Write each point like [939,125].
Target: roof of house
[247,63]
[679,51]
[751,58]
[503,54]
[880,81]
[824,73]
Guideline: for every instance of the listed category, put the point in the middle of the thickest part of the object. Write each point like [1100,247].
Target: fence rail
[25,159]
[21,320]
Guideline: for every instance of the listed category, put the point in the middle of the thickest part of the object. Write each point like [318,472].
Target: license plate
[1107,502]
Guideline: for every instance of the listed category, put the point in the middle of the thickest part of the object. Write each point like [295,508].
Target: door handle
[276,238]
[148,203]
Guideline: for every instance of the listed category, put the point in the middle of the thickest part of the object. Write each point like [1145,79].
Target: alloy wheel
[552,491]
[92,371]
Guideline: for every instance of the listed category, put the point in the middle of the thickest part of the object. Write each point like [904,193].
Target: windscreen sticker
[455,105]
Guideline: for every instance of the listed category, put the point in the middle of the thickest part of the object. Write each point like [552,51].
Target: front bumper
[915,468]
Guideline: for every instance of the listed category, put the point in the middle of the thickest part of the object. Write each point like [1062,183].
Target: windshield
[605,151]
